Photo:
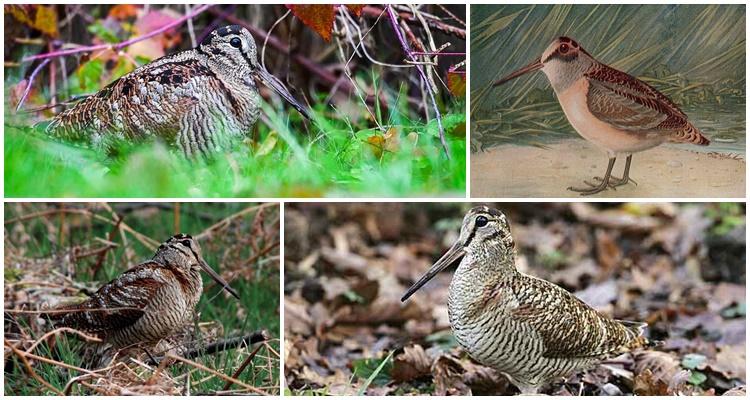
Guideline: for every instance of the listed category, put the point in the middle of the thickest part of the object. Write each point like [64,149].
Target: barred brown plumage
[531,330]
[197,100]
[148,302]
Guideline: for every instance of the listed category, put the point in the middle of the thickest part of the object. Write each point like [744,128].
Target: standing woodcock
[531,330]
[148,302]
[615,111]
[198,100]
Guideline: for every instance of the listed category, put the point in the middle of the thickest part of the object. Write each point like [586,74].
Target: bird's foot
[615,182]
[593,188]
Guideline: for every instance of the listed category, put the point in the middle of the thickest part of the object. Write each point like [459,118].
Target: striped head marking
[183,251]
[231,45]
[564,61]
[180,250]
[484,226]
[562,48]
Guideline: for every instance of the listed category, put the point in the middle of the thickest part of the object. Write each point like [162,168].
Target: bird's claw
[614,182]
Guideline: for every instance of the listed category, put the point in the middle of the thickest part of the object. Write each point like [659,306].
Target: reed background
[695,54]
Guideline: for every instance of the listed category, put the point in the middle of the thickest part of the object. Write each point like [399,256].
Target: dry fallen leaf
[413,363]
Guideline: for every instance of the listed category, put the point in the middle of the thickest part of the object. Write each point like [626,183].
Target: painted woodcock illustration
[199,101]
[615,111]
[529,329]
[146,303]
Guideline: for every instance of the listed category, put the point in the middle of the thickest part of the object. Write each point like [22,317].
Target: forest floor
[678,267]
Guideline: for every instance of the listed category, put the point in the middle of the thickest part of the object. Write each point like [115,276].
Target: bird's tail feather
[639,341]
[692,135]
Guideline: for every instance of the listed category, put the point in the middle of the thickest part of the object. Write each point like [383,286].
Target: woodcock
[611,109]
[148,302]
[198,100]
[531,330]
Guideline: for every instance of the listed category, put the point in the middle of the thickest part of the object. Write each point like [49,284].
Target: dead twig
[227,221]
[373,11]
[177,218]
[22,355]
[86,337]
[242,367]
[121,45]
[420,69]
[66,311]
[27,89]
[227,344]
[216,373]
[100,260]
[145,240]
[49,361]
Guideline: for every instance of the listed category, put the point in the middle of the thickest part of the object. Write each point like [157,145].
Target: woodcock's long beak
[537,64]
[278,87]
[216,277]
[453,254]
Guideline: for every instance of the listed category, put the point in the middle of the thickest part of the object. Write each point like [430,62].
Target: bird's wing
[569,328]
[135,104]
[116,305]
[631,104]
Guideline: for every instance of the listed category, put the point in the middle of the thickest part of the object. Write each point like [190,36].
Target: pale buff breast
[601,134]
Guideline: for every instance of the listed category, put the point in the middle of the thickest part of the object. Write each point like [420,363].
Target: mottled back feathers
[632,105]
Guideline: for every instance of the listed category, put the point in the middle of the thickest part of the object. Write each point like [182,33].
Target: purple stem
[31,82]
[422,74]
[436,53]
[118,46]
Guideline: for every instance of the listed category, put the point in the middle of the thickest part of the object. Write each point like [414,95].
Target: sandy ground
[527,171]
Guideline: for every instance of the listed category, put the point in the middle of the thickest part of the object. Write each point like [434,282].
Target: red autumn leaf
[318,17]
[457,83]
[355,8]
[123,11]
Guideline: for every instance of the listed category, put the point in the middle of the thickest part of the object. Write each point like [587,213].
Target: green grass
[339,155]
[695,54]
[258,307]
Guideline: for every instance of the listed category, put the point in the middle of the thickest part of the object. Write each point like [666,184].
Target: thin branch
[268,35]
[242,367]
[86,337]
[407,49]
[216,373]
[231,343]
[226,221]
[22,355]
[63,311]
[437,53]
[145,240]
[191,30]
[455,18]
[103,254]
[372,11]
[121,45]
[30,83]
[48,361]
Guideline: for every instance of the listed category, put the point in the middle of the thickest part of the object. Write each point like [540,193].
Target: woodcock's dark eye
[236,42]
[186,243]
[564,48]
[481,221]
